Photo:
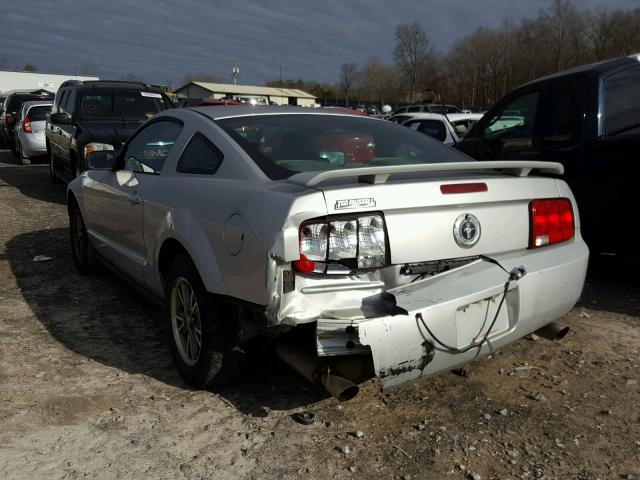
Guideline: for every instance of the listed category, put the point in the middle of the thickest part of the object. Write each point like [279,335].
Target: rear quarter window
[200,156]
[622,103]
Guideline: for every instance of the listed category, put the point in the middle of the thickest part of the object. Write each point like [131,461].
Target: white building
[10,81]
[215,91]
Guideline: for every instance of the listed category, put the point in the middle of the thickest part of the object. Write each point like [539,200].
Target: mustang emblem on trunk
[466,230]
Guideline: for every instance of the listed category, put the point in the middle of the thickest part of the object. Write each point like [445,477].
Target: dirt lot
[88,388]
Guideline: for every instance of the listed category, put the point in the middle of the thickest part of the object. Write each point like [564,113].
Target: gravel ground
[88,388]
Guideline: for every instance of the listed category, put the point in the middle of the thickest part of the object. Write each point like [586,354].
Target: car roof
[604,66]
[424,115]
[463,116]
[216,112]
[37,103]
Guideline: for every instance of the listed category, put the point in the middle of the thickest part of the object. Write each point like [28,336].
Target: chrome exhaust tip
[313,369]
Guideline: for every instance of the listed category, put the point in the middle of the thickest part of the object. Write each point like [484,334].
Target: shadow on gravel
[33,181]
[104,320]
[613,285]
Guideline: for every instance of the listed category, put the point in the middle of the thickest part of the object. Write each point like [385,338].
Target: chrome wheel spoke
[185,321]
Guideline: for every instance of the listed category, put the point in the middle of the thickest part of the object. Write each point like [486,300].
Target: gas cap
[234,234]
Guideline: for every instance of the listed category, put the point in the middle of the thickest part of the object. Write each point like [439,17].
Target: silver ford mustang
[366,248]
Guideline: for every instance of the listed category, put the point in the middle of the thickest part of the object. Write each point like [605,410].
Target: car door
[53,129]
[117,197]
[66,133]
[611,165]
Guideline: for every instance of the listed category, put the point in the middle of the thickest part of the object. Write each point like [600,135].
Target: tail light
[26,125]
[551,221]
[343,244]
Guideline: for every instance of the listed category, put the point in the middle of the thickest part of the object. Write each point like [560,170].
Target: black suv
[9,110]
[588,119]
[95,111]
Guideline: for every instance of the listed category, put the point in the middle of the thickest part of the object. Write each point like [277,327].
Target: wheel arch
[202,257]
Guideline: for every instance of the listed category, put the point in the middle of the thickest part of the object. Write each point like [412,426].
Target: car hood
[112,132]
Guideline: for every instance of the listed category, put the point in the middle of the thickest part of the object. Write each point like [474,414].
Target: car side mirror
[60,118]
[100,156]
[461,130]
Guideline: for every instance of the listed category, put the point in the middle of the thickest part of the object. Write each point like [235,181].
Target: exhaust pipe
[313,369]
[553,331]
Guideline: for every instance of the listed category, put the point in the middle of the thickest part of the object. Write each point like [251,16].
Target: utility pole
[281,76]
[235,71]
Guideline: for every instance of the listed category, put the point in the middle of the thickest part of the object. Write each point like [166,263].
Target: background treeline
[485,65]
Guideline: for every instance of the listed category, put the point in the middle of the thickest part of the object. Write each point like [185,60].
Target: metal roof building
[10,81]
[280,96]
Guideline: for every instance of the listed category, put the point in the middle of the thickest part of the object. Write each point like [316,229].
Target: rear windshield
[282,145]
[121,105]
[16,101]
[39,113]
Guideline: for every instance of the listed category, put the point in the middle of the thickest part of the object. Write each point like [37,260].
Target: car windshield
[282,145]
[39,113]
[121,105]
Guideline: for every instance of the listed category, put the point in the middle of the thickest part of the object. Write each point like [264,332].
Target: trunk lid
[420,218]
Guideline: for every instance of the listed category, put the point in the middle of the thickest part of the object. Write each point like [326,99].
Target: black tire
[23,159]
[52,168]
[220,361]
[80,248]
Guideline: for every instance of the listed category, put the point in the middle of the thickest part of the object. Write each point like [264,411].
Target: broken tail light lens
[552,221]
[342,245]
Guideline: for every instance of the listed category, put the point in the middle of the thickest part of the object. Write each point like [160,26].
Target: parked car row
[11,111]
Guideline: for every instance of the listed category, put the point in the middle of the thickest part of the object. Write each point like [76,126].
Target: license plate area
[474,320]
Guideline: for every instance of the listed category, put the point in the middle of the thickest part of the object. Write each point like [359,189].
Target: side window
[200,156]
[433,128]
[413,109]
[60,96]
[69,104]
[559,120]
[509,133]
[622,103]
[148,150]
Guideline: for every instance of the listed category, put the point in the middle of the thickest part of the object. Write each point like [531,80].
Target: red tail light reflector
[26,125]
[452,188]
[552,221]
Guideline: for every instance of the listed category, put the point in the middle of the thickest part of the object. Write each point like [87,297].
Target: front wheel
[80,249]
[52,168]
[202,341]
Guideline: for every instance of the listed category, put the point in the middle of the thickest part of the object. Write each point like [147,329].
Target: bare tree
[29,67]
[348,76]
[410,53]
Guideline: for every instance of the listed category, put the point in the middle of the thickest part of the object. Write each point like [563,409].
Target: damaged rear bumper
[459,306]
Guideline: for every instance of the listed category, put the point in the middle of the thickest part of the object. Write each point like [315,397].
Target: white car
[363,247]
[462,122]
[433,124]
[30,130]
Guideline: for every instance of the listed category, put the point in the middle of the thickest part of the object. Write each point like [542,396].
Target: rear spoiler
[381,174]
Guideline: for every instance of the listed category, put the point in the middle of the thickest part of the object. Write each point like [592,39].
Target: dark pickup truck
[588,119]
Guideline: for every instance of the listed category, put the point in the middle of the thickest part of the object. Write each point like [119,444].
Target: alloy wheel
[185,321]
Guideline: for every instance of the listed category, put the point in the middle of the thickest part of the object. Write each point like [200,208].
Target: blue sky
[162,40]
